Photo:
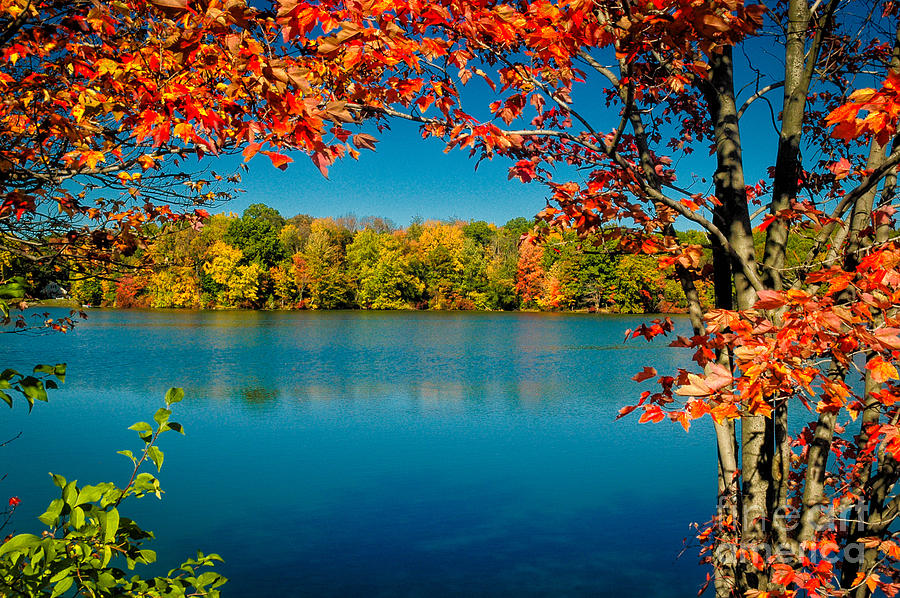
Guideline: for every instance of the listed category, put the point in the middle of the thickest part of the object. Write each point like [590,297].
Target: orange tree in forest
[606,103]
[612,104]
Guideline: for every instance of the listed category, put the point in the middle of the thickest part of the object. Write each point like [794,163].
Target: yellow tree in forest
[441,249]
[176,286]
[240,283]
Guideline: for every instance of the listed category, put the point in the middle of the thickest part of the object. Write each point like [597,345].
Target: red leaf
[766,222]
[322,162]
[769,299]
[841,168]
[646,374]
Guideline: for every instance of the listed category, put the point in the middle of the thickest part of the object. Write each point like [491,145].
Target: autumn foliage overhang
[104,102]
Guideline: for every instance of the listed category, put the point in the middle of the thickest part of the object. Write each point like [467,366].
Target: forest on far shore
[261,260]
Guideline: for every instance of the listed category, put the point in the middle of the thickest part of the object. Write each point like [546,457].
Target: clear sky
[406,177]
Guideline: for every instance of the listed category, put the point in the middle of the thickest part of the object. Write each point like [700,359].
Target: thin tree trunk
[733,217]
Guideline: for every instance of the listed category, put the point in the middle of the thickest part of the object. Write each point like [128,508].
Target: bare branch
[758,95]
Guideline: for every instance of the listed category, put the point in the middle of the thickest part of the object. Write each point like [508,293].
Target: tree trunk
[733,218]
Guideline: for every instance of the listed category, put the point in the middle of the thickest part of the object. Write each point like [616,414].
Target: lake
[380,453]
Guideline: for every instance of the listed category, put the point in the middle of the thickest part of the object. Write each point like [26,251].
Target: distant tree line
[261,260]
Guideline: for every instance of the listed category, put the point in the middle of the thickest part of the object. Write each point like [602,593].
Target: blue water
[380,454]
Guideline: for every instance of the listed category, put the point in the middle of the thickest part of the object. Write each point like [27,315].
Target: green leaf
[6,398]
[20,542]
[69,493]
[111,525]
[89,494]
[59,480]
[77,518]
[144,430]
[33,388]
[12,290]
[174,395]
[175,426]
[59,370]
[63,586]
[52,513]
[206,578]
[161,416]
[156,456]
[59,575]
[111,496]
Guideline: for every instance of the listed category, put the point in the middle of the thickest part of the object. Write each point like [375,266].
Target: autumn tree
[605,103]
[238,281]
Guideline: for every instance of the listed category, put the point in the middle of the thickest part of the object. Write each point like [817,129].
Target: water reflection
[258,396]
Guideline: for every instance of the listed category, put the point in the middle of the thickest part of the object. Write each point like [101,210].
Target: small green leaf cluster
[88,540]
[32,387]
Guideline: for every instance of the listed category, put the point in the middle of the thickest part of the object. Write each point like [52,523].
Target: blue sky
[406,177]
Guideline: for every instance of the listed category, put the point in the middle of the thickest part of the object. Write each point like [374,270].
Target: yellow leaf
[92,158]
[881,370]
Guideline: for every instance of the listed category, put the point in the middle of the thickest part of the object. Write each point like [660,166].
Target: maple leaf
[364,141]
[652,413]
[278,160]
[250,150]
[646,374]
[92,158]
[696,387]
[769,299]
[146,161]
[322,162]
[881,370]
[840,169]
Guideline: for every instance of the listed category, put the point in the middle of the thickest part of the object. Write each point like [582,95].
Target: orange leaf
[881,370]
[278,160]
[652,413]
[250,150]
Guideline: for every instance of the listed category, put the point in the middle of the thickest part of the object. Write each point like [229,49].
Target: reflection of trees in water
[258,396]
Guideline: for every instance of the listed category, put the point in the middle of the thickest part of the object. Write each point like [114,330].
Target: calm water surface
[380,454]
